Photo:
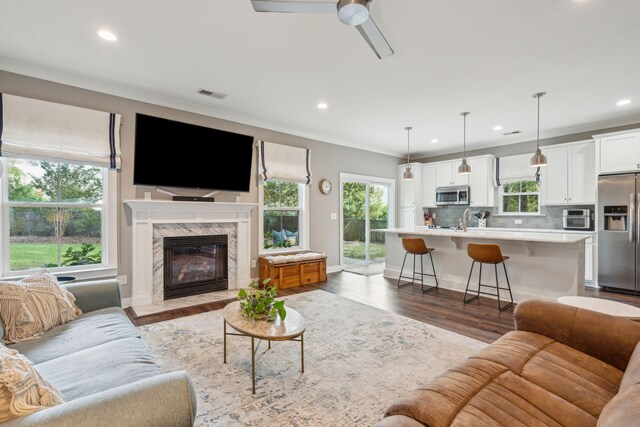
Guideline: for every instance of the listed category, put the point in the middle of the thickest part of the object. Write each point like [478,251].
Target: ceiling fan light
[353,12]
[538,159]
[464,168]
[407,175]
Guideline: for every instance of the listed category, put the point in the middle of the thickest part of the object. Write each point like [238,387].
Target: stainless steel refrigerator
[618,232]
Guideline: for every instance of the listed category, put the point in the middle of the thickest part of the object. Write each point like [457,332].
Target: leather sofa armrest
[96,294]
[398,421]
[607,338]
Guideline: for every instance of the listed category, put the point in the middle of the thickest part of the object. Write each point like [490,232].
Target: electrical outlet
[122,279]
[253,263]
[518,221]
[434,215]
[333,215]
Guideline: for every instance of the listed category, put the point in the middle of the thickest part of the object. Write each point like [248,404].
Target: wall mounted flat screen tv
[192,156]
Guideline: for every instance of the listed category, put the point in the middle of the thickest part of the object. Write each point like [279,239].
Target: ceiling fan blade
[371,33]
[283,6]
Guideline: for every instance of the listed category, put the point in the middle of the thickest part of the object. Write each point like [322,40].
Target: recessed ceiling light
[623,102]
[107,35]
[323,105]
[497,127]
[434,141]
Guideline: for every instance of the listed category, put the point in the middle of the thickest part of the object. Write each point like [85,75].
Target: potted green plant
[259,303]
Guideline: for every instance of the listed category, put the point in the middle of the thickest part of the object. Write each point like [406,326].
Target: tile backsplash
[551,217]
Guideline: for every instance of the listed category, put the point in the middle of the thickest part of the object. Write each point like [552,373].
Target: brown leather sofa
[562,366]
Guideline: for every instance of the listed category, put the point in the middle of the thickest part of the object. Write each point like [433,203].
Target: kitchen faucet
[467,215]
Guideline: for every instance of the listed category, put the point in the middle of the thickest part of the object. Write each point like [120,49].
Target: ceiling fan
[350,12]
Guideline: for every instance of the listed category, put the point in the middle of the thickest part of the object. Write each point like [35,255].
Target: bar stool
[487,254]
[416,246]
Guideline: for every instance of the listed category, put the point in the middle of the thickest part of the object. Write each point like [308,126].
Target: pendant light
[538,158]
[408,175]
[464,168]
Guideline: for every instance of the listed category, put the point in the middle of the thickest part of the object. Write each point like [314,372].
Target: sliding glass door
[365,206]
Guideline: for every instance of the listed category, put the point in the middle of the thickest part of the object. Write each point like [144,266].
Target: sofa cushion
[576,377]
[100,368]
[22,389]
[89,330]
[481,392]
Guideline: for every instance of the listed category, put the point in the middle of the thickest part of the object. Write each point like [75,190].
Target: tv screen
[193,156]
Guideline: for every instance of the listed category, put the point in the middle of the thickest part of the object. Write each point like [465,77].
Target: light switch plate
[333,215]
[253,263]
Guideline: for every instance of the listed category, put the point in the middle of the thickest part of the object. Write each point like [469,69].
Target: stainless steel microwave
[458,195]
[576,219]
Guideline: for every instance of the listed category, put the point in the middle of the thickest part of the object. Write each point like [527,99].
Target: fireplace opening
[194,265]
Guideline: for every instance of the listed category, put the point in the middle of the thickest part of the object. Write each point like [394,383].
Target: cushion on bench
[293,258]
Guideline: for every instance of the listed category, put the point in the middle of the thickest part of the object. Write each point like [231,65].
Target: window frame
[501,195]
[303,209]
[109,231]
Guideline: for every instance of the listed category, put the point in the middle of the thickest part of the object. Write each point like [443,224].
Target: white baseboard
[334,269]
[126,302]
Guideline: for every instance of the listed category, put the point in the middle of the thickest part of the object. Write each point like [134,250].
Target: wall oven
[458,195]
[576,219]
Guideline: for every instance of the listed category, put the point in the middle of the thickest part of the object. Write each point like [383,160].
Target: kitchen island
[542,265]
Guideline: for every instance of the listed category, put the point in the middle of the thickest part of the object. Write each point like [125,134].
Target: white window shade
[513,168]
[283,162]
[51,131]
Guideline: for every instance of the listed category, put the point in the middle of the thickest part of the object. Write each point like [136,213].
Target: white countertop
[548,236]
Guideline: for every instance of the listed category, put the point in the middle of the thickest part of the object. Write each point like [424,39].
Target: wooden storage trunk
[289,271]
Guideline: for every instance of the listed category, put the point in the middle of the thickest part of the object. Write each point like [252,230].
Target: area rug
[358,360]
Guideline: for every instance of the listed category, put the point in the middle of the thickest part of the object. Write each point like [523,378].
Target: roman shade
[284,162]
[50,131]
[514,168]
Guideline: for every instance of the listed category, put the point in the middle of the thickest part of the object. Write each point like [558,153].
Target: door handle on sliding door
[638,220]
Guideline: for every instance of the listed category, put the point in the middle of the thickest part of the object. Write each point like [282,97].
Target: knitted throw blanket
[33,305]
[22,389]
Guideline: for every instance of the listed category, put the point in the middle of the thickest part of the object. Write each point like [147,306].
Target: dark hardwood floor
[443,308]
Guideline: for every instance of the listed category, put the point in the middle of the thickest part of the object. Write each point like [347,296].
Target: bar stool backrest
[414,245]
[484,252]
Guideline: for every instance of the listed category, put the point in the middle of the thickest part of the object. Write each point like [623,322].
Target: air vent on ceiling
[515,132]
[217,95]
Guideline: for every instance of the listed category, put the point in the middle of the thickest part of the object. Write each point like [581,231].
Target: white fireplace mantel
[146,213]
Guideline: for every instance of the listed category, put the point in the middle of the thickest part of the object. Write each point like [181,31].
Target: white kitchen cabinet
[481,186]
[618,152]
[429,185]
[407,217]
[588,259]
[569,177]
[410,196]
[447,174]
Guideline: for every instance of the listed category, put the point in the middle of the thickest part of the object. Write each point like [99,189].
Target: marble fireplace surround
[151,220]
[160,231]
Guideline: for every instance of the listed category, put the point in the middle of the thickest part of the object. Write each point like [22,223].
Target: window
[283,215]
[56,216]
[520,197]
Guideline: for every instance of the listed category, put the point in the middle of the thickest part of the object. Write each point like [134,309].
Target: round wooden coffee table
[605,306]
[290,329]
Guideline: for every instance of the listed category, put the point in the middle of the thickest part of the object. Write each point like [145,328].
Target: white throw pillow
[22,389]
[33,305]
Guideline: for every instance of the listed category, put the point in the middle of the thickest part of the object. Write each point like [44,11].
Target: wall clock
[325,186]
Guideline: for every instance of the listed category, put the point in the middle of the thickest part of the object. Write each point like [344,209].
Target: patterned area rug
[358,359]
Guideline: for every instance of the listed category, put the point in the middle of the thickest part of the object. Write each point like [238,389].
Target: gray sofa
[104,371]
